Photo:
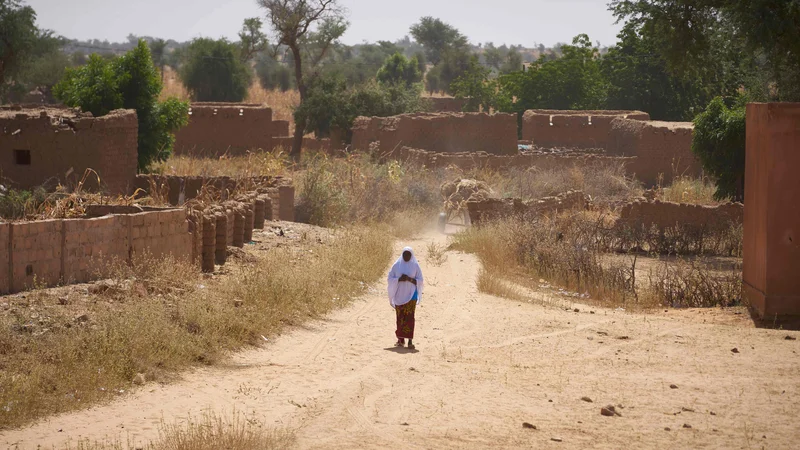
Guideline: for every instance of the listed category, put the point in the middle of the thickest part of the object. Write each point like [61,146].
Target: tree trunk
[299,125]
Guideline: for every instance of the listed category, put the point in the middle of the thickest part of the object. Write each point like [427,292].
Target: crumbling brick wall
[445,132]
[447,104]
[49,252]
[572,129]
[665,215]
[216,129]
[451,132]
[52,145]
[366,130]
[662,149]
[494,209]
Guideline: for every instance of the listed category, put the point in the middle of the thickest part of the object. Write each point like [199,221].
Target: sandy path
[484,366]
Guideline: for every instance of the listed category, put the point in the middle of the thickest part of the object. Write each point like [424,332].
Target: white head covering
[401,293]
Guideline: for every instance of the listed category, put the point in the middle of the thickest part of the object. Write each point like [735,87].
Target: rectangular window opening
[22,157]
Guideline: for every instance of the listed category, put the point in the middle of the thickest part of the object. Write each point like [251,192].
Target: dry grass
[282,103]
[211,432]
[256,163]
[567,252]
[173,87]
[604,182]
[698,191]
[492,283]
[436,254]
[166,317]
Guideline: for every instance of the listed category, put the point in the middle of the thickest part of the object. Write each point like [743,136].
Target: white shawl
[401,293]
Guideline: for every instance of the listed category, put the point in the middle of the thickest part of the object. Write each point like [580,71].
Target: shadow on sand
[401,350]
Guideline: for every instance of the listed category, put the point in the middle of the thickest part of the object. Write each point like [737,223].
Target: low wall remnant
[494,209]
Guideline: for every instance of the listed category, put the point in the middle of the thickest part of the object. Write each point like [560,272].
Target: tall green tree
[701,36]
[18,37]
[397,69]
[573,81]
[132,82]
[251,39]
[214,72]
[719,142]
[292,22]
[158,48]
[639,79]
[476,87]
[513,62]
[436,37]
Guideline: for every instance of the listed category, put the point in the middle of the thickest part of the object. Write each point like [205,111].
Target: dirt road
[482,368]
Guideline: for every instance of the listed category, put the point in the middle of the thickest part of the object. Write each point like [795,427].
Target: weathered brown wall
[49,252]
[366,130]
[494,209]
[447,104]
[666,215]
[572,129]
[661,148]
[440,132]
[280,128]
[771,267]
[63,144]
[216,129]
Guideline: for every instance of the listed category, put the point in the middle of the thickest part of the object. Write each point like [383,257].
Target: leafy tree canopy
[214,72]
[130,81]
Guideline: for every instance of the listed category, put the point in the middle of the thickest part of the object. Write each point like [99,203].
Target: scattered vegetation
[572,251]
[210,432]
[160,316]
[213,71]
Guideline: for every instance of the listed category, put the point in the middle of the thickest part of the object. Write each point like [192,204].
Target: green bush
[213,72]
[719,142]
[18,204]
[398,69]
[132,82]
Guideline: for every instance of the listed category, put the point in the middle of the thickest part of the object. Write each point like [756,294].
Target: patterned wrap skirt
[405,320]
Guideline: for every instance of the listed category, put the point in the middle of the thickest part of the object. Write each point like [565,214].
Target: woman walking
[405,293]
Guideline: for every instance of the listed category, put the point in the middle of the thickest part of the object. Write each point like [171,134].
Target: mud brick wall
[447,104]
[664,215]
[366,130]
[62,143]
[661,148]
[573,129]
[771,253]
[451,132]
[495,209]
[5,267]
[280,128]
[57,251]
[216,129]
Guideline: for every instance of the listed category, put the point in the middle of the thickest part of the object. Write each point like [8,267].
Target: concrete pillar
[771,251]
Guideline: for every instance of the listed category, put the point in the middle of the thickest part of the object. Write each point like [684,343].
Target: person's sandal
[411,346]
[399,344]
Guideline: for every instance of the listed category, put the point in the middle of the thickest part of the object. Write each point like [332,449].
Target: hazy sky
[525,22]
